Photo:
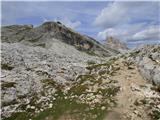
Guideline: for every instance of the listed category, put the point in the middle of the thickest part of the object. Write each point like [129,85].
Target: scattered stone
[32,107]
[103,108]
[50,105]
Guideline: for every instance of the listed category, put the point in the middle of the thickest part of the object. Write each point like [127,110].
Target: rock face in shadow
[42,35]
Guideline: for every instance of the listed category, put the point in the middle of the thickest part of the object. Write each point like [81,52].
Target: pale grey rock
[116,44]
[30,65]
[148,60]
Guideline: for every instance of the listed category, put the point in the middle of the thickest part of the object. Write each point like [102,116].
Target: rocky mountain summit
[114,43]
[51,72]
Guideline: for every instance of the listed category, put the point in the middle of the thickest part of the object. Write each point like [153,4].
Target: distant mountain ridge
[41,35]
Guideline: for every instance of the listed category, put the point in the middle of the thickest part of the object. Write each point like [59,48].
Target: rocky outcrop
[115,44]
[147,58]
[42,35]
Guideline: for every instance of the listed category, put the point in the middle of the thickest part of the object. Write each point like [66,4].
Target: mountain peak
[116,43]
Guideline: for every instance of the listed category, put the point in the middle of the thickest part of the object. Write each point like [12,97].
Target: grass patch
[98,66]
[155,115]
[41,45]
[134,54]
[5,85]
[91,62]
[70,107]
[102,72]
[92,53]
[83,78]
[156,88]
[9,103]
[36,39]
[19,116]
[78,89]
[61,106]
[110,91]
[6,67]
[51,83]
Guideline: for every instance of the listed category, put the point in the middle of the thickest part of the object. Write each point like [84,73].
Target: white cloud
[133,22]
[111,32]
[45,20]
[118,13]
[132,32]
[111,15]
[149,33]
[69,23]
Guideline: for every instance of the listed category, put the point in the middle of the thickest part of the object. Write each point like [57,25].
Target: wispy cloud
[130,21]
[118,13]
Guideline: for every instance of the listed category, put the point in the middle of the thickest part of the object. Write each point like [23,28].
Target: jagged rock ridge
[115,44]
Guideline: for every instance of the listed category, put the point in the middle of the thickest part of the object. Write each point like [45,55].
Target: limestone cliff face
[147,58]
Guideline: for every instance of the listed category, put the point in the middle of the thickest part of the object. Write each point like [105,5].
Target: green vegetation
[48,82]
[42,45]
[5,85]
[22,38]
[78,89]
[78,101]
[140,102]
[91,62]
[51,83]
[91,53]
[36,39]
[155,115]
[76,110]
[6,67]
[83,78]
[156,88]
[98,66]
[9,103]
[19,116]
[110,91]
[63,106]
[134,54]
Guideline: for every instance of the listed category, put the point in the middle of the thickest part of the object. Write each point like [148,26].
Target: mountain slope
[41,35]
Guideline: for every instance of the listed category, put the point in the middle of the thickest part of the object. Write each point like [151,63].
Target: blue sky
[132,22]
